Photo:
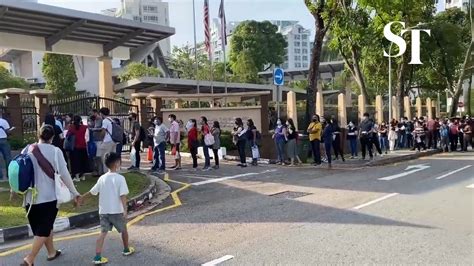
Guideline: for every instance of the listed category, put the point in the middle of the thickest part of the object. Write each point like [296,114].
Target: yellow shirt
[316,127]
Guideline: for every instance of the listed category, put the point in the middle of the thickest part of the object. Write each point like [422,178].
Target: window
[297,44]
[297,37]
[150,9]
[137,18]
[304,37]
[305,58]
[297,58]
[305,65]
[150,18]
[305,44]
[285,65]
[304,51]
[297,51]
[297,65]
[286,57]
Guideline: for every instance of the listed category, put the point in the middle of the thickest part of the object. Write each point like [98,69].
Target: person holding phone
[5,148]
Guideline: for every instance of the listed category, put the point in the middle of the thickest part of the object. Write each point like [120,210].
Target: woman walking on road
[216,133]
[79,158]
[44,209]
[240,140]
[193,142]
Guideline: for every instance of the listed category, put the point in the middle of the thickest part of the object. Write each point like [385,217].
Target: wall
[87,71]
[225,116]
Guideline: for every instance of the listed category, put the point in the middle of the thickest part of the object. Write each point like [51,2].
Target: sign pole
[278,101]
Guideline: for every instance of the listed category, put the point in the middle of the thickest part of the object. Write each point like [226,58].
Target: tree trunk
[469,98]
[458,90]
[314,68]
[400,88]
[359,77]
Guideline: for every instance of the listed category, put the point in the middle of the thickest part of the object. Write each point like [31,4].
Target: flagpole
[196,53]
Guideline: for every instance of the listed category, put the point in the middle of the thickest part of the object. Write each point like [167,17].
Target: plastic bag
[63,194]
[209,139]
[133,158]
[255,152]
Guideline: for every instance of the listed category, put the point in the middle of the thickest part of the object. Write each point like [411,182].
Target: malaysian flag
[207,29]
[223,25]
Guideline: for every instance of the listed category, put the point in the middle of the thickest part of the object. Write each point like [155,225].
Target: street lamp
[390,72]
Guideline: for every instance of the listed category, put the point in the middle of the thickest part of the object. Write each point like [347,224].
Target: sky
[181,13]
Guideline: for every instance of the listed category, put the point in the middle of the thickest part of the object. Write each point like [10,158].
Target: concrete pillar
[291,107]
[362,106]
[264,99]
[13,110]
[429,109]
[395,111]
[342,110]
[140,101]
[407,107]
[378,108]
[436,106]
[418,106]
[319,104]
[42,105]
[157,104]
[178,104]
[106,85]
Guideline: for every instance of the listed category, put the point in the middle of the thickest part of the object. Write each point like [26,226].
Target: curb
[145,201]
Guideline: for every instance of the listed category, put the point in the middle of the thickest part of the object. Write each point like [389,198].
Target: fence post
[379,108]
[157,104]
[140,101]
[436,106]
[291,110]
[342,110]
[319,104]
[13,110]
[362,106]
[429,108]
[418,107]
[395,110]
[407,107]
[42,105]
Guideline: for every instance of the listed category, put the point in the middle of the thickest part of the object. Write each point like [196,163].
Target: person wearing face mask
[175,141]
[327,137]
[365,128]
[292,136]
[314,131]
[204,131]
[160,136]
[383,137]
[252,135]
[352,138]
[336,143]
[193,142]
[240,140]
[280,141]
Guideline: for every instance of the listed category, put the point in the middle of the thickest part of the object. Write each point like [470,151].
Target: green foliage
[255,45]
[60,74]
[7,80]
[20,143]
[137,70]
[183,64]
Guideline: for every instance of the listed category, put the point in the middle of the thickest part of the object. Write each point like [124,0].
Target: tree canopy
[137,70]
[60,74]
[7,80]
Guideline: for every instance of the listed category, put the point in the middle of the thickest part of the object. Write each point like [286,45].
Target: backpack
[69,143]
[21,173]
[444,131]
[117,132]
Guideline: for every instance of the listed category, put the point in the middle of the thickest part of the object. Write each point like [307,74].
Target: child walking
[112,189]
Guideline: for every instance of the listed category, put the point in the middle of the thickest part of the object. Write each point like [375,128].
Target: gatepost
[395,110]
[291,107]
[42,105]
[319,104]
[418,107]
[378,108]
[140,101]
[13,110]
[407,107]
[157,104]
[362,106]
[429,108]
[342,117]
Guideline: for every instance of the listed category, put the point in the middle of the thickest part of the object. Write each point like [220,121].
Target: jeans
[216,156]
[137,155]
[159,157]
[384,144]
[118,149]
[453,139]
[444,143]
[316,151]
[327,147]
[241,148]
[281,150]
[353,146]
[337,147]
[207,158]
[366,144]
[432,139]
[194,152]
[402,137]
[5,150]
[409,140]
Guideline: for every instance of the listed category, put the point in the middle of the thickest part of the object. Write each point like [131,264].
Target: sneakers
[76,179]
[128,251]
[215,167]
[99,260]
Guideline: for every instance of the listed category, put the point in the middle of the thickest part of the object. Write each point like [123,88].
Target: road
[351,216]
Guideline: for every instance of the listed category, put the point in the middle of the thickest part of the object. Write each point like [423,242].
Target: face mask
[157,123]
[170,119]
[351,125]
[189,125]
[278,123]
[315,120]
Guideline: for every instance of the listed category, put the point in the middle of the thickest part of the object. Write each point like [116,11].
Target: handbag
[255,152]
[63,194]
[209,139]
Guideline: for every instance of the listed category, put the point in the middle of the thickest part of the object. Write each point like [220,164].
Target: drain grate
[290,194]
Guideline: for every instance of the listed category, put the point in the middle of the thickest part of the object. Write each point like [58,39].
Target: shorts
[42,217]
[108,221]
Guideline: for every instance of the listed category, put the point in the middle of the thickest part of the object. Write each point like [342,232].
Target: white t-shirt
[110,187]
[108,130]
[6,127]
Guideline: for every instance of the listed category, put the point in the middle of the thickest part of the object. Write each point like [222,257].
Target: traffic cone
[150,154]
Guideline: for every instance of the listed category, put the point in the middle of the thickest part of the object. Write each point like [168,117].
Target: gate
[29,116]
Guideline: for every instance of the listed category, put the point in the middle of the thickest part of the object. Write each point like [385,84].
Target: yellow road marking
[174,196]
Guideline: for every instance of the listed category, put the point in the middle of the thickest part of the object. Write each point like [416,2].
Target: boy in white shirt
[112,189]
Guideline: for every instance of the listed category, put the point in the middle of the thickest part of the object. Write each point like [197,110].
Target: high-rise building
[442,5]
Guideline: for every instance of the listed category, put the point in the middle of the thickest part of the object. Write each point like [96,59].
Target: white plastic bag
[209,139]
[133,157]
[63,194]
[255,153]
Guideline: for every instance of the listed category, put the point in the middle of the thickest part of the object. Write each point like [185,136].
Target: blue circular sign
[278,77]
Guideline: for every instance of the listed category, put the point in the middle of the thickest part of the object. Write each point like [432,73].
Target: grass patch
[12,214]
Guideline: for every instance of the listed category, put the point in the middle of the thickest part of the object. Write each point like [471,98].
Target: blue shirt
[327,133]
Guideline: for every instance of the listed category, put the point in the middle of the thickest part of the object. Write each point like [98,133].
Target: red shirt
[80,136]
[192,136]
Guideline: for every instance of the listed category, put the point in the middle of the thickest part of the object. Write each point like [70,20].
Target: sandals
[24,263]
[58,253]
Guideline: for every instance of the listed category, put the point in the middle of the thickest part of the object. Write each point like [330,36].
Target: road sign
[278,76]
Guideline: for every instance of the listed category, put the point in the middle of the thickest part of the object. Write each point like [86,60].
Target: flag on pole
[207,29]
[223,25]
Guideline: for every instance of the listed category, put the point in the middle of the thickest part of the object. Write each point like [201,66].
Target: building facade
[442,5]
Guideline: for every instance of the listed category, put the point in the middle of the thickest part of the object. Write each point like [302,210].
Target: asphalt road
[325,217]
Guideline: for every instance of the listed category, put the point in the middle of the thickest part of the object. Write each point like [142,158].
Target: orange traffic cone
[150,154]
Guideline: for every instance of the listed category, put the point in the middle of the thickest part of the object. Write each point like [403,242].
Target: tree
[323,12]
[259,44]
[7,80]
[60,74]
[137,70]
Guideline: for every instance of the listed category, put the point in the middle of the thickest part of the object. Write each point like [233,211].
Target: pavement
[413,212]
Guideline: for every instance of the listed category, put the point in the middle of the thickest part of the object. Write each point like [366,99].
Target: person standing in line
[280,141]
[136,136]
[205,149]
[252,138]
[79,161]
[430,134]
[240,140]
[374,139]
[175,140]
[327,136]
[402,134]
[314,130]
[216,133]
[5,148]
[467,138]
[107,145]
[58,133]
[291,137]
[419,135]
[336,143]
[98,138]
[44,208]
[119,146]
[409,128]
[365,128]
[383,137]
[392,137]
[453,134]
[160,136]
[352,138]
[444,136]
[193,142]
